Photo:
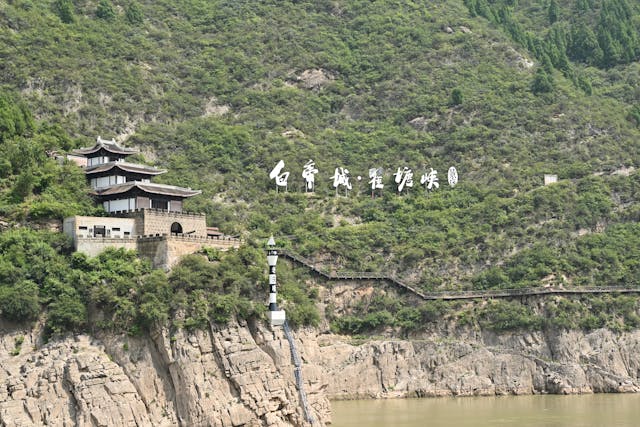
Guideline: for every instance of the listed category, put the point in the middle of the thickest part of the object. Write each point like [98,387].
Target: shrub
[19,302]
[105,10]
[133,13]
[501,315]
[67,313]
[65,10]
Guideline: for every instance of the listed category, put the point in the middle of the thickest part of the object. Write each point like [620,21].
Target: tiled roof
[166,190]
[124,166]
[109,145]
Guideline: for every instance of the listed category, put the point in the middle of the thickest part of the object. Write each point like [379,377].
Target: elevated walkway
[456,295]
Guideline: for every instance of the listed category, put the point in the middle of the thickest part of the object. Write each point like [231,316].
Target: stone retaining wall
[156,221]
[164,251]
[92,246]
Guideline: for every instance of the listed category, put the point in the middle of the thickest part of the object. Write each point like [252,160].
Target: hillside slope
[219,92]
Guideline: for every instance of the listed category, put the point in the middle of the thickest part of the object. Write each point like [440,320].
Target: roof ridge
[116,163]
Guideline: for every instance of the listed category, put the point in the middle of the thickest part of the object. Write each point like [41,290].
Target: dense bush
[37,271]
[500,315]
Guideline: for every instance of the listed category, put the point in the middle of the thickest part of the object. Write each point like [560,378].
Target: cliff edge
[240,374]
[482,363]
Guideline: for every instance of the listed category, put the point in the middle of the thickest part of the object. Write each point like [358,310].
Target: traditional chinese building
[122,187]
[143,215]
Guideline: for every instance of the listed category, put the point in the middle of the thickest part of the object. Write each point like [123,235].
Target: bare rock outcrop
[560,363]
[72,382]
[242,374]
[217,377]
[315,78]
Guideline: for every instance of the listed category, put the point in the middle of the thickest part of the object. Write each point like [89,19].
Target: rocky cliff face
[483,364]
[242,375]
[239,375]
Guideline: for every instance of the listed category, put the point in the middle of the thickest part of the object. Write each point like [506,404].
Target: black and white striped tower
[277,317]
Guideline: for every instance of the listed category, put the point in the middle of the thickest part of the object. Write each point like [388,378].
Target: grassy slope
[390,62]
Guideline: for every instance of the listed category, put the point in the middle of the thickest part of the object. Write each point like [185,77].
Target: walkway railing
[458,295]
[298,373]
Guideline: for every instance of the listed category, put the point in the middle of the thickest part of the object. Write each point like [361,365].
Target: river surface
[597,410]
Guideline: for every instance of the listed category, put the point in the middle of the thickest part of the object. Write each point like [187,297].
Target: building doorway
[99,231]
[176,228]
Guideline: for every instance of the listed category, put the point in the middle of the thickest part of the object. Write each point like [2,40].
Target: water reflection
[611,410]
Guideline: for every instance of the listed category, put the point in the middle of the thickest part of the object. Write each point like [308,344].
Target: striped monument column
[277,317]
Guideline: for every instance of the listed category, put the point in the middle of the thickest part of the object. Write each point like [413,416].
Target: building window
[127,233]
[159,204]
[82,227]
[115,229]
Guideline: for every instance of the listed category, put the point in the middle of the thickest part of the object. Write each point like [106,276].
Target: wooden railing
[457,295]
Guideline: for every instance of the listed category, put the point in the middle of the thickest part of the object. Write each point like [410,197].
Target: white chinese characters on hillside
[430,179]
[308,173]
[280,178]
[341,177]
[375,179]
[403,178]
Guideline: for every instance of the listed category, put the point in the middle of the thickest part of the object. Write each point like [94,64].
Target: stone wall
[92,246]
[178,247]
[72,226]
[154,248]
[150,235]
[165,251]
[159,222]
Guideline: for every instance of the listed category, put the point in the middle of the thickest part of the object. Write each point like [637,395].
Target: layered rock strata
[225,376]
[242,374]
[486,364]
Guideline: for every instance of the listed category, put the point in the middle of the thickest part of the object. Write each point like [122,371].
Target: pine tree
[456,97]
[65,10]
[582,5]
[471,5]
[611,49]
[133,13]
[584,46]
[105,11]
[542,82]
[553,11]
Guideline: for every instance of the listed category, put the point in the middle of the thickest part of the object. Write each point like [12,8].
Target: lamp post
[276,317]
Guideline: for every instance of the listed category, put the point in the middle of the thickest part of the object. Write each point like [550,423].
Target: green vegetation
[33,185]
[507,316]
[105,10]
[569,33]
[616,312]
[17,345]
[36,270]
[380,311]
[218,92]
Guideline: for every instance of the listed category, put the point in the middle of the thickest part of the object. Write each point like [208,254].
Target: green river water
[598,410]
